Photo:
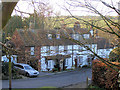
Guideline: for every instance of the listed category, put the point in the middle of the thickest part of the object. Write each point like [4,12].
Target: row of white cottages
[99,45]
[75,51]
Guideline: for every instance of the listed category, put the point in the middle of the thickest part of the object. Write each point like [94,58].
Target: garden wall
[103,75]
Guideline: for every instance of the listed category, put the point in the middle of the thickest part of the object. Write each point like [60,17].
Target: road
[58,80]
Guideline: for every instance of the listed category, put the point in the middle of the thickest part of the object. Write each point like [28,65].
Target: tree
[41,17]
[115,55]
[7,9]
[14,23]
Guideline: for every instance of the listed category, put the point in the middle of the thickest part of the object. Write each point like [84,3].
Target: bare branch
[112,7]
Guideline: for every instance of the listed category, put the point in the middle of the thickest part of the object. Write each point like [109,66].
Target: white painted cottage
[6,58]
[103,47]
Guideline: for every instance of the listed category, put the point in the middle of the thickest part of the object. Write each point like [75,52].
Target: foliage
[5,71]
[34,63]
[94,87]
[14,22]
[114,55]
[33,20]
[104,76]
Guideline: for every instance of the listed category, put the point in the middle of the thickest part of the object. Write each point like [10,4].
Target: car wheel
[27,74]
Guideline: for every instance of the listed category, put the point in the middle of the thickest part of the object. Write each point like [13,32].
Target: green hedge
[103,76]
[5,71]
[114,55]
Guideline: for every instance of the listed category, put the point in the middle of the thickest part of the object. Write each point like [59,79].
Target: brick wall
[17,40]
[104,76]
[19,45]
[25,51]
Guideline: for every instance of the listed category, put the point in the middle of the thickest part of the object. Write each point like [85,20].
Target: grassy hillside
[95,20]
[69,21]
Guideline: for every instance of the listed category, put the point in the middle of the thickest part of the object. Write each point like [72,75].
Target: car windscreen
[28,68]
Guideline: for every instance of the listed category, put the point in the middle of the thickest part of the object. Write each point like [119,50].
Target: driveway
[55,80]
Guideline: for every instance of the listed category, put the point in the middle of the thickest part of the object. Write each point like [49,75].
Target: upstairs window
[49,36]
[57,36]
[75,36]
[32,49]
[86,36]
[92,33]
[65,49]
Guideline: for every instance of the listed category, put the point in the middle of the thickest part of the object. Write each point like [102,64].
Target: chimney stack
[31,25]
[76,25]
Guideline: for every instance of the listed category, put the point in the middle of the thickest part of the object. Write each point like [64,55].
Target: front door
[61,64]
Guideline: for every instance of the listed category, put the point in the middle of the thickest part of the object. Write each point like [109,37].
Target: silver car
[25,69]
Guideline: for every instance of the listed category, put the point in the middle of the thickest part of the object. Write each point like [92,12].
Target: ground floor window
[49,64]
[80,59]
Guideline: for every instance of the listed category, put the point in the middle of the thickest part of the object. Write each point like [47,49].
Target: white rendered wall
[77,53]
[104,53]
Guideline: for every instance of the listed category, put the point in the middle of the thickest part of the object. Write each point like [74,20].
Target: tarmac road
[56,80]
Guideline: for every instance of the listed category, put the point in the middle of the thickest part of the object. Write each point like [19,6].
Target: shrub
[94,87]
[5,71]
[114,55]
[104,76]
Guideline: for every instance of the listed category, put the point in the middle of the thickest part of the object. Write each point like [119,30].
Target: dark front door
[64,64]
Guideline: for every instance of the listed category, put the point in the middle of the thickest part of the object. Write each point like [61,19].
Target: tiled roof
[40,38]
[102,43]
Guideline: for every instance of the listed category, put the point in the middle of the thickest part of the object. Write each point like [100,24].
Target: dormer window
[49,36]
[91,31]
[57,36]
[86,36]
[75,36]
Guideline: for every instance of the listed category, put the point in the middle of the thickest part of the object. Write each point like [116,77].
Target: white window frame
[86,36]
[65,49]
[49,36]
[32,50]
[66,62]
[47,50]
[49,64]
[77,37]
[57,36]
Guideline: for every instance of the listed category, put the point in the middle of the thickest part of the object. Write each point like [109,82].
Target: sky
[59,7]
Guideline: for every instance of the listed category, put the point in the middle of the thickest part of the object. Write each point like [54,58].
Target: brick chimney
[31,25]
[76,25]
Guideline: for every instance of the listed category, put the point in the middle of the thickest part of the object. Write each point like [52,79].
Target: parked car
[25,69]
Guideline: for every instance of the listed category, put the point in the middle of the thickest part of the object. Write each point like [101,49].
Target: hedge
[103,75]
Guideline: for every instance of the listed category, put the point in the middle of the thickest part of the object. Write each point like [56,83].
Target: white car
[25,69]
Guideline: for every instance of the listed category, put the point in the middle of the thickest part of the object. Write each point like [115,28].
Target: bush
[94,87]
[104,76]
[5,71]
[54,69]
[114,55]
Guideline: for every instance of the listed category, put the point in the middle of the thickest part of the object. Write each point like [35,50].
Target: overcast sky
[58,6]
